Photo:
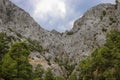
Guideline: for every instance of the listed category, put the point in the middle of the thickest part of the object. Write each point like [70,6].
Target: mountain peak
[88,34]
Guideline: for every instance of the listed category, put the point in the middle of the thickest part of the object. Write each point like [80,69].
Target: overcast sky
[57,14]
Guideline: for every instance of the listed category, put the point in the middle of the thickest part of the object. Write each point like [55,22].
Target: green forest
[102,64]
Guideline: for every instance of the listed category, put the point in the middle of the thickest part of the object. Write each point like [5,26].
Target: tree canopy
[103,63]
[15,65]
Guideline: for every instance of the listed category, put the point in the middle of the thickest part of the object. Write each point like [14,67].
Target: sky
[57,14]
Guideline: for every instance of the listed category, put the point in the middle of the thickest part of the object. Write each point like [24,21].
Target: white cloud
[70,24]
[62,28]
[57,14]
[66,26]
[51,8]
[107,1]
[15,1]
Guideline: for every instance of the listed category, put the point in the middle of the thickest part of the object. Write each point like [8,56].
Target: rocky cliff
[88,33]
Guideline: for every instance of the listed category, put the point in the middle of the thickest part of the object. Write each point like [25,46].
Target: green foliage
[67,65]
[73,76]
[41,74]
[15,65]
[104,30]
[4,41]
[113,40]
[18,34]
[10,29]
[59,78]
[49,75]
[70,33]
[34,45]
[104,13]
[116,5]
[39,71]
[4,46]
[104,63]
[112,20]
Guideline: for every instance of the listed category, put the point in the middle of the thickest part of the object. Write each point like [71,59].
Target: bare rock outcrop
[87,34]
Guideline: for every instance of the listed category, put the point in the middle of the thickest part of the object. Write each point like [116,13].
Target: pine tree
[49,75]
[15,63]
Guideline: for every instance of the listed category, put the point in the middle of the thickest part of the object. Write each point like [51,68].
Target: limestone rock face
[88,33]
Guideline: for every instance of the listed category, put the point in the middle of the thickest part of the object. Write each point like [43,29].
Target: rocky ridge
[87,34]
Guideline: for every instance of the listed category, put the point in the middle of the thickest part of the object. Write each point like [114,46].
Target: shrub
[104,30]
[59,78]
[15,65]
[103,63]
[104,13]
[116,5]
[73,76]
[112,20]
[4,41]
[39,71]
[19,35]
[70,33]
[49,75]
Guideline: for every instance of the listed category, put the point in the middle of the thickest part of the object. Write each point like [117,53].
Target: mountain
[62,51]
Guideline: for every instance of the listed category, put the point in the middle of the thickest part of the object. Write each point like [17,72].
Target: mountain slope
[88,33]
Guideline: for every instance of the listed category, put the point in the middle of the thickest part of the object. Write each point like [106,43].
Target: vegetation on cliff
[102,64]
